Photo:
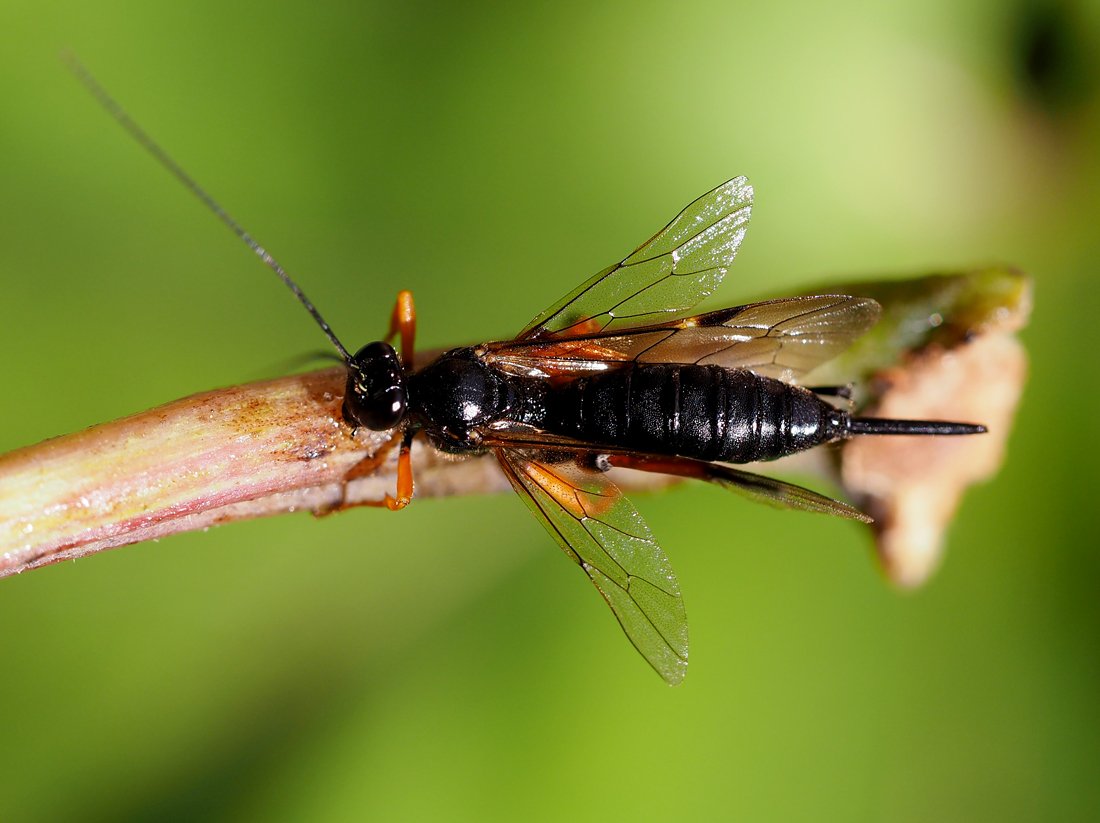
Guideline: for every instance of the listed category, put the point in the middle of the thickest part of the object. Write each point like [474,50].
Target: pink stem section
[231,454]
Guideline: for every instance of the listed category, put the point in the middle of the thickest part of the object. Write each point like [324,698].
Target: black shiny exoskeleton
[707,413]
[618,375]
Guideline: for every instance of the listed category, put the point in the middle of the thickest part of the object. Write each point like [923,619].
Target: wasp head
[377,395]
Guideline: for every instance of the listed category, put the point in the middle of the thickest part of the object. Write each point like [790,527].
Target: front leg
[403,324]
[368,466]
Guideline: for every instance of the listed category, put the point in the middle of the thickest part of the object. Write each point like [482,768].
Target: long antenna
[145,141]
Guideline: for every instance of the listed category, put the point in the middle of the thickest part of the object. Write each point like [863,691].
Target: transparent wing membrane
[665,277]
[606,536]
[783,339]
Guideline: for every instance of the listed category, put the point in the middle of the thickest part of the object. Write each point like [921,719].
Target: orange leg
[404,478]
[369,465]
[403,322]
[674,466]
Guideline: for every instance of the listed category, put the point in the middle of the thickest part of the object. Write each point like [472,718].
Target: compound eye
[385,408]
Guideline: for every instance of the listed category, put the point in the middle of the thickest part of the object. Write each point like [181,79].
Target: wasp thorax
[376,395]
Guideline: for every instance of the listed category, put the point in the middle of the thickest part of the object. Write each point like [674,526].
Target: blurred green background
[449,662]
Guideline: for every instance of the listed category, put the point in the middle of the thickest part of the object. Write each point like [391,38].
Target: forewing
[783,339]
[665,277]
[600,529]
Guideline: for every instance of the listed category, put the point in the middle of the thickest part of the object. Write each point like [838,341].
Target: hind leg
[832,391]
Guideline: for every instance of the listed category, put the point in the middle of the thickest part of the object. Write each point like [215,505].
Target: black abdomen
[706,412]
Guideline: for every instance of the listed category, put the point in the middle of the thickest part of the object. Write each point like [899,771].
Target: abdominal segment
[705,412]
